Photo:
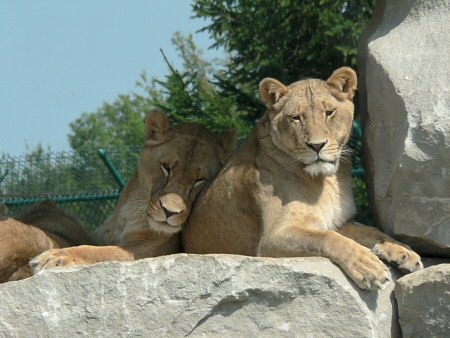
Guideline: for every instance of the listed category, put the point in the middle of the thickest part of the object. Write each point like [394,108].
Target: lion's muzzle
[173,206]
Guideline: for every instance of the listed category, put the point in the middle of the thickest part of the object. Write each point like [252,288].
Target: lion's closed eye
[330,113]
[198,182]
[166,169]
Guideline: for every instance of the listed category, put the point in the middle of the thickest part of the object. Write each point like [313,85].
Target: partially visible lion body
[287,191]
[174,163]
[42,228]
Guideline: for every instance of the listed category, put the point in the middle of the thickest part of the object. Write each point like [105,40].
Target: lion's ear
[271,91]
[227,140]
[344,80]
[156,126]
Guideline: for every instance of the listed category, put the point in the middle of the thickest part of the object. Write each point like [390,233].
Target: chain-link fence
[88,185]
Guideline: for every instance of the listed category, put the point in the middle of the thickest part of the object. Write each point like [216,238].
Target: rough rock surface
[424,302]
[405,98]
[212,295]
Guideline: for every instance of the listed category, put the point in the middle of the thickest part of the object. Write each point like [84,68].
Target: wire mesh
[80,182]
[84,185]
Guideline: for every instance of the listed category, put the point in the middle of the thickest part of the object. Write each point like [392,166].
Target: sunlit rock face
[423,300]
[211,295]
[405,107]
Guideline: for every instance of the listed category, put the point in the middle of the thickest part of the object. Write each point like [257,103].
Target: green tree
[116,124]
[190,95]
[285,39]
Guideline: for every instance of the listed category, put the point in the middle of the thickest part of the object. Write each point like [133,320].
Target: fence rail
[85,184]
[88,184]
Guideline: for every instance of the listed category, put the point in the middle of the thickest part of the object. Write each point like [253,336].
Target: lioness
[288,191]
[43,227]
[175,162]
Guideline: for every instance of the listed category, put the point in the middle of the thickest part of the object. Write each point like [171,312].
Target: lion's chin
[321,168]
[164,227]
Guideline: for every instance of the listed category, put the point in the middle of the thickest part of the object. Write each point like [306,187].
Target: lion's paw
[366,270]
[52,258]
[398,255]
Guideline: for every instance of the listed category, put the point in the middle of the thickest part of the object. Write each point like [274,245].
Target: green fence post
[112,168]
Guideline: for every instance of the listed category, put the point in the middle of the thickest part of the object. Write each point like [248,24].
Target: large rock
[215,295]
[405,107]
[424,302]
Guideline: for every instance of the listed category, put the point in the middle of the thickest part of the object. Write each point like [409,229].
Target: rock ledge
[182,295]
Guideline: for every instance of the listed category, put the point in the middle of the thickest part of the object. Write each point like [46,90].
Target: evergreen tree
[285,39]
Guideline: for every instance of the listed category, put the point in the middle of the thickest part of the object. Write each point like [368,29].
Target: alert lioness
[175,162]
[287,191]
[41,228]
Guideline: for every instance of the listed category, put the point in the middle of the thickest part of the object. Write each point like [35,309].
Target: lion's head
[175,162]
[311,120]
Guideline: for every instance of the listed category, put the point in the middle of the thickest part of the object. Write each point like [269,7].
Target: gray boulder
[405,108]
[424,302]
[182,295]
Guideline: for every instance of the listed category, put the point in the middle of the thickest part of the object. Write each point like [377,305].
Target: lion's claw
[405,259]
[52,258]
[366,269]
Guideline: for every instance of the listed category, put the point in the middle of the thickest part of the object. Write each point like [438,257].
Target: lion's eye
[295,118]
[330,113]
[198,182]
[166,169]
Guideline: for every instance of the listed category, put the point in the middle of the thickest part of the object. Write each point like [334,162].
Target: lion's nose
[169,213]
[316,146]
[172,204]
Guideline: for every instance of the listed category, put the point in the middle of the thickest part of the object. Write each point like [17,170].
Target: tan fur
[175,162]
[287,191]
[42,228]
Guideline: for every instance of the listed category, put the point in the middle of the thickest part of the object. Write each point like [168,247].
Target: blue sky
[60,58]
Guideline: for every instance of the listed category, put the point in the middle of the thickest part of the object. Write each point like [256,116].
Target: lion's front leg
[360,264]
[79,255]
[385,247]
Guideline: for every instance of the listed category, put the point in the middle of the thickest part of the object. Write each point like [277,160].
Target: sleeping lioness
[287,191]
[175,162]
[41,228]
